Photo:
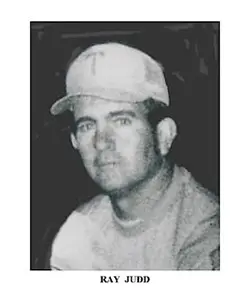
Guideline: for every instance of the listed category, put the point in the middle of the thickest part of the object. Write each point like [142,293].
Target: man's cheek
[128,145]
[89,166]
[87,157]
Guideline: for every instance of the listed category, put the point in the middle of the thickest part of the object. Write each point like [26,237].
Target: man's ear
[166,133]
[73,141]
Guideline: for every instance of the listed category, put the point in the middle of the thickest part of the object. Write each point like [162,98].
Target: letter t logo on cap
[93,55]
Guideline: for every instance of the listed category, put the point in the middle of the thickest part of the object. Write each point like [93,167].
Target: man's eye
[122,121]
[84,127]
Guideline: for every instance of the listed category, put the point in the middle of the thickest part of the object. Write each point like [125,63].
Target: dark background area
[189,53]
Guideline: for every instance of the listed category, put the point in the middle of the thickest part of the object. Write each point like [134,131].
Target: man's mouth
[102,162]
[106,164]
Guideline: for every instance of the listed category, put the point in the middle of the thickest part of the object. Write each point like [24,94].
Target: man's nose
[103,139]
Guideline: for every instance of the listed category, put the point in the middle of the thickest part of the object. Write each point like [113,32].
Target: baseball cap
[116,72]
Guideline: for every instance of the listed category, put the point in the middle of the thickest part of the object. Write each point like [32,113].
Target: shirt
[181,232]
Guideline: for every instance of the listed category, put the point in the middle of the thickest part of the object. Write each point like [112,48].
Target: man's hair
[155,111]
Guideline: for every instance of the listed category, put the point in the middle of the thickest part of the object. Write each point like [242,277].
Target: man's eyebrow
[84,119]
[122,113]
[112,114]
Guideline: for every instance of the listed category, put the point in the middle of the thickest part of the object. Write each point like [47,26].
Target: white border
[17,281]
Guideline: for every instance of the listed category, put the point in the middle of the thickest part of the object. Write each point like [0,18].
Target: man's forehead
[97,107]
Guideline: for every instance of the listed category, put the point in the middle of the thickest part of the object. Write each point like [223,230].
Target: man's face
[115,142]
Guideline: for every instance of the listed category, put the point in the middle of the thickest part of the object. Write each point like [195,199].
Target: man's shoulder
[87,211]
[198,219]
[92,206]
[196,199]
[84,216]
[77,230]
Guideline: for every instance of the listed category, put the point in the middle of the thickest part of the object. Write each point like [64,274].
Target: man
[152,213]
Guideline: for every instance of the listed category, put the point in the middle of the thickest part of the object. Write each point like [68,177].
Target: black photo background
[189,53]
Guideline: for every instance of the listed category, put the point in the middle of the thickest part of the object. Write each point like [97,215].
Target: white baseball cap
[116,72]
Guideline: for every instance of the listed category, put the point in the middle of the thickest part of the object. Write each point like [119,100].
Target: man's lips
[106,161]
[106,164]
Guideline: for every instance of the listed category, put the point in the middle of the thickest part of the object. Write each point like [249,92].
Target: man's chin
[115,184]
[117,189]
[110,188]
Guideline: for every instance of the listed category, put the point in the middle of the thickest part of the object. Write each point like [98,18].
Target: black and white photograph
[125,142]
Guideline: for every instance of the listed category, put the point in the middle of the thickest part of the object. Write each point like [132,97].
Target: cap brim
[62,105]
[66,103]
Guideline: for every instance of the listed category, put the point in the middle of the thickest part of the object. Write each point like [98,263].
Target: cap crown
[115,72]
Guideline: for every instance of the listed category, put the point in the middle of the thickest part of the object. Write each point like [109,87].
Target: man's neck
[139,201]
